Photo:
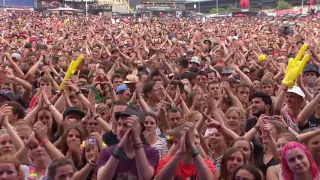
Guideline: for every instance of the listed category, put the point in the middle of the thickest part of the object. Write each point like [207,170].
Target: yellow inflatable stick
[71,70]
[262,57]
[77,63]
[66,21]
[68,74]
[295,67]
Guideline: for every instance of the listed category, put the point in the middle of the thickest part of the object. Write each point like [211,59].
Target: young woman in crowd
[70,144]
[10,168]
[248,172]
[245,146]
[231,159]
[297,163]
[152,138]
[275,172]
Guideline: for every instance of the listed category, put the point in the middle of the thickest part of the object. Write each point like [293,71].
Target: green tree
[230,8]
[283,5]
[214,11]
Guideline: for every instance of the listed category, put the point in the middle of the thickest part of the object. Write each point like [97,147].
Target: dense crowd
[158,98]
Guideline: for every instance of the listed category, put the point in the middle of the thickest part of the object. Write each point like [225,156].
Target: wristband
[138,145]
[194,152]
[115,155]
[119,154]
[44,141]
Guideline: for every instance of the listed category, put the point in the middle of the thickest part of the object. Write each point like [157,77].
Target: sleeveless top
[291,123]
[279,170]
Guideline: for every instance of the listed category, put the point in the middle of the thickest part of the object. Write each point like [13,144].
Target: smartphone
[91,141]
[271,118]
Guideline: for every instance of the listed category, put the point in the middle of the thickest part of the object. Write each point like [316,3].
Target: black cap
[311,68]
[8,95]
[73,110]
[130,111]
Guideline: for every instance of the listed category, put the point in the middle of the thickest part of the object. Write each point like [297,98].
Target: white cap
[297,90]
[16,56]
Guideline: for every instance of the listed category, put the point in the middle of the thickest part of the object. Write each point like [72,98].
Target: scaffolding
[116,3]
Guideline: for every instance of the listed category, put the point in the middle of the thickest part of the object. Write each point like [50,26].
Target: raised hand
[125,139]
[182,144]
[41,131]
[295,67]
[95,156]
[265,129]
[135,127]
[189,128]
[211,123]
[32,141]
[46,100]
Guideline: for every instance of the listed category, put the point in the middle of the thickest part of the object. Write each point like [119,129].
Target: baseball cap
[32,39]
[190,51]
[195,59]
[16,57]
[121,88]
[220,64]
[207,40]
[297,90]
[131,79]
[130,111]
[311,68]
[8,95]
[227,70]
[73,110]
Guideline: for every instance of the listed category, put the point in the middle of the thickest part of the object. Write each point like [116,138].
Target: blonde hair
[241,113]
[194,116]
[23,126]
[11,160]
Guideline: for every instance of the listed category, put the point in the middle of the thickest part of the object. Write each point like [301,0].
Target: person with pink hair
[297,163]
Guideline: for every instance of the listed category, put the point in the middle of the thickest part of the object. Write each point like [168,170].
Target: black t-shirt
[110,139]
[258,159]
[312,122]
[250,123]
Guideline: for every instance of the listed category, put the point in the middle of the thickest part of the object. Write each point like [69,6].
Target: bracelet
[138,145]
[115,155]
[44,141]
[119,153]
[27,146]
[92,163]
[194,152]
[78,92]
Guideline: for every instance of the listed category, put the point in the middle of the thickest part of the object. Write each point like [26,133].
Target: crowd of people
[159,98]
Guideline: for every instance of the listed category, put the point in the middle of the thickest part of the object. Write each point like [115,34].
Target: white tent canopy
[65,9]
